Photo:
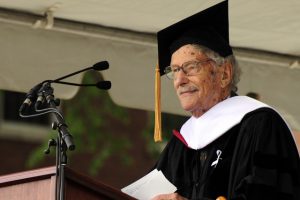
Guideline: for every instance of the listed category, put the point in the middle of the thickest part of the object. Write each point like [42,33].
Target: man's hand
[172,196]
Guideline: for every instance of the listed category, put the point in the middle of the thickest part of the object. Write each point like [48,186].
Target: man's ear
[226,77]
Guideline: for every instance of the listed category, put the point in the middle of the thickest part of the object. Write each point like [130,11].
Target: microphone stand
[64,139]
[63,142]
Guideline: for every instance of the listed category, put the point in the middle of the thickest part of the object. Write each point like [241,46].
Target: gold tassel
[157,126]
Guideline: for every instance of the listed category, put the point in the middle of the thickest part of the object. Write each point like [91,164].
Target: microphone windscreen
[104,85]
[103,65]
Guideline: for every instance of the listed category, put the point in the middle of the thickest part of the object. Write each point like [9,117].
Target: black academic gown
[259,161]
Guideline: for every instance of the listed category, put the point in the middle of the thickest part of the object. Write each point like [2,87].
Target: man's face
[200,92]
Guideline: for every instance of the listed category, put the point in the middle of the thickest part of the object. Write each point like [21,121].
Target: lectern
[40,184]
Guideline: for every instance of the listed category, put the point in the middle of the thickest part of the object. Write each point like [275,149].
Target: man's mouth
[187,91]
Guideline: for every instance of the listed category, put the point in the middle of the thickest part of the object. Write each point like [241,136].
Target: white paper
[147,187]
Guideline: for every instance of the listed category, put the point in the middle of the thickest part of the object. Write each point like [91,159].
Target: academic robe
[258,161]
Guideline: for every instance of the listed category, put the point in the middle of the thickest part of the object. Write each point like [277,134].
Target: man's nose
[180,78]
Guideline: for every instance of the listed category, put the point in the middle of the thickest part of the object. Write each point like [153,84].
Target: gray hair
[219,60]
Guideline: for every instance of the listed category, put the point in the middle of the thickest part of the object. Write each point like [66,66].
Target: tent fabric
[264,34]
[270,25]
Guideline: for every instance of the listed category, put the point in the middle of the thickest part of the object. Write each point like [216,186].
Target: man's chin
[187,108]
[193,109]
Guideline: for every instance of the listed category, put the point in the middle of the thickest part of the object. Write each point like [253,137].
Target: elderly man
[232,147]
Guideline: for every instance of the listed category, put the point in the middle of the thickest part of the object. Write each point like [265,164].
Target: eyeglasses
[189,68]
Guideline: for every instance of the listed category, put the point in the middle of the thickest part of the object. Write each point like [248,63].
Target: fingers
[172,196]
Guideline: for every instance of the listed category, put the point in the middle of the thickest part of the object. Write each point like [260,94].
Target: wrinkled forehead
[186,53]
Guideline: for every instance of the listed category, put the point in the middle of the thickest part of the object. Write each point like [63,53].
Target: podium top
[75,183]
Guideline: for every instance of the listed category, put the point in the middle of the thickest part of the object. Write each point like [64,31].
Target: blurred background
[113,130]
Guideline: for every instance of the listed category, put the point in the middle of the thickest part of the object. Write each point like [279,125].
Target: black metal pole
[61,159]
[57,186]
[62,164]
[64,141]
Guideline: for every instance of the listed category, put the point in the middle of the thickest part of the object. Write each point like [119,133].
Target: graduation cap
[207,28]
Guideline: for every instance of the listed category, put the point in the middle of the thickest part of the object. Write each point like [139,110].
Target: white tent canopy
[35,47]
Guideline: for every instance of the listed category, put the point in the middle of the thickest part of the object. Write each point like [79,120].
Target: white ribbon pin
[215,163]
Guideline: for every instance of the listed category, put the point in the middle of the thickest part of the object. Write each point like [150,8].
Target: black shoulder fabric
[265,162]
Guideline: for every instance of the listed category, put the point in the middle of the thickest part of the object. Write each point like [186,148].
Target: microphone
[103,65]
[30,97]
[44,90]
[99,66]
[103,85]
[40,98]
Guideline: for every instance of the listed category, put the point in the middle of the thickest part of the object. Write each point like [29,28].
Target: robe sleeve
[172,163]
[265,162]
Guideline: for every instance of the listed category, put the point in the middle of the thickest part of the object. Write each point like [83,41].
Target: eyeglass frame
[170,73]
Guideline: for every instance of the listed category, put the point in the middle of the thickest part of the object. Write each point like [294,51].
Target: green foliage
[90,115]
[170,122]
[37,156]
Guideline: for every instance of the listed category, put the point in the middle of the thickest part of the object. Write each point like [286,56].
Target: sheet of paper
[154,183]
[133,187]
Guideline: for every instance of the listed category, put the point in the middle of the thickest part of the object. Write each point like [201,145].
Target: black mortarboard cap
[208,28]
